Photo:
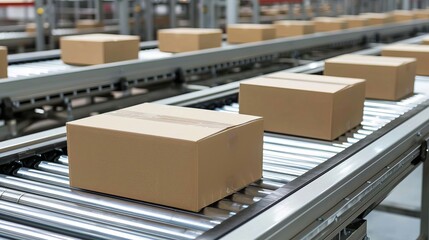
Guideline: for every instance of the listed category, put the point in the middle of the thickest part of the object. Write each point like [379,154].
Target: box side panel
[81,53]
[176,43]
[422,59]
[157,170]
[3,62]
[288,111]
[213,40]
[405,80]
[380,80]
[229,161]
[121,50]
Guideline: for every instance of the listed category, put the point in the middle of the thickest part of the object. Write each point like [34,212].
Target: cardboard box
[245,33]
[378,18]
[421,14]
[402,16]
[88,24]
[3,62]
[354,21]
[293,28]
[387,78]
[326,24]
[425,41]
[178,40]
[31,27]
[91,49]
[304,105]
[179,157]
[419,52]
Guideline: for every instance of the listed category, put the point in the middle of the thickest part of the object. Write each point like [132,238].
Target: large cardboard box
[3,62]
[354,21]
[419,52]
[180,157]
[178,40]
[293,28]
[88,24]
[388,78]
[245,33]
[94,49]
[326,24]
[304,105]
[378,18]
[402,15]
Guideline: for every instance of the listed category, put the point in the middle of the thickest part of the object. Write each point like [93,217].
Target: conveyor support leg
[424,217]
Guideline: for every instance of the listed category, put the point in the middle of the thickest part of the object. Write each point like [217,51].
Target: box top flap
[315,78]
[407,48]
[166,121]
[100,37]
[251,26]
[371,60]
[310,86]
[191,31]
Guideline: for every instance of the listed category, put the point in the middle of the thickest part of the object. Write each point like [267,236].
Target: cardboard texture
[88,24]
[378,18]
[178,40]
[174,156]
[425,41]
[326,24]
[245,33]
[419,52]
[293,28]
[304,105]
[402,16]
[3,62]
[421,14]
[94,49]
[388,78]
[355,21]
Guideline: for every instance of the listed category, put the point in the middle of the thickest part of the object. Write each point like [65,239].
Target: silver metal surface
[52,168]
[63,159]
[19,231]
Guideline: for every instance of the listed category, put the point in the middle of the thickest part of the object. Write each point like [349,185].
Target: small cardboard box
[91,49]
[178,40]
[419,52]
[88,24]
[179,157]
[293,28]
[304,105]
[245,33]
[386,78]
[403,16]
[326,24]
[3,62]
[354,21]
[378,18]
[31,27]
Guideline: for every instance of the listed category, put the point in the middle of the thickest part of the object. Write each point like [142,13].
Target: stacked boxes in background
[293,28]
[355,21]
[378,18]
[180,157]
[31,27]
[326,24]
[178,40]
[388,78]
[421,14]
[304,105]
[88,24]
[403,15]
[419,52]
[3,62]
[94,49]
[246,33]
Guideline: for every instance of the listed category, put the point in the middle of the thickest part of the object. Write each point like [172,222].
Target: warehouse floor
[383,225]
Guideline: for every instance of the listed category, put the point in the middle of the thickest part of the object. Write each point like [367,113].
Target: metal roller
[52,168]
[65,224]
[91,214]
[139,210]
[63,159]
[42,176]
[18,231]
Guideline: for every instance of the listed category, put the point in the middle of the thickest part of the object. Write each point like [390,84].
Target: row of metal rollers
[42,196]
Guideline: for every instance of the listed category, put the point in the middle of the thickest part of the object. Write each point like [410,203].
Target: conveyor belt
[53,66]
[39,196]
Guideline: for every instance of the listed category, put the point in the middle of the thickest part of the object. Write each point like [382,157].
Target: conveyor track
[40,196]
